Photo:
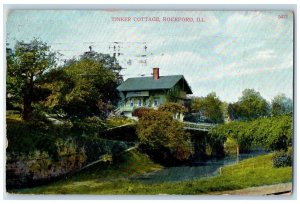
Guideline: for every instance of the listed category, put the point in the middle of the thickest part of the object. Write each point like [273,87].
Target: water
[194,171]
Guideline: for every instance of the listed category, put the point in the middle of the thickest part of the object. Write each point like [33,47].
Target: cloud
[229,46]
[234,70]
[265,54]
[251,24]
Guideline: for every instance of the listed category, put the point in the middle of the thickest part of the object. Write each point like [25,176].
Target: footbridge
[205,127]
[187,125]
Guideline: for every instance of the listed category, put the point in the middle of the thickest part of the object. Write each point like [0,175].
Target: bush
[272,133]
[117,121]
[158,130]
[88,125]
[38,116]
[173,108]
[139,112]
[230,146]
[26,137]
[282,159]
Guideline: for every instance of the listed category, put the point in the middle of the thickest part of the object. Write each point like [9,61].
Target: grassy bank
[114,179]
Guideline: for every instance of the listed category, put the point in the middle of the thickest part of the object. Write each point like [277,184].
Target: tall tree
[252,105]
[84,87]
[233,111]
[13,86]
[282,105]
[210,106]
[107,61]
[24,66]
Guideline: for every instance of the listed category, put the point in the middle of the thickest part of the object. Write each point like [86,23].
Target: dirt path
[277,189]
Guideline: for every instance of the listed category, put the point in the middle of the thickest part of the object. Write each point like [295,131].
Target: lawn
[115,179]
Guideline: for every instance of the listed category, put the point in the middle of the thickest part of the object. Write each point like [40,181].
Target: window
[140,102]
[156,102]
[131,103]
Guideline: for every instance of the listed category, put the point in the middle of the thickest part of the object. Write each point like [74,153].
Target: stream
[194,170]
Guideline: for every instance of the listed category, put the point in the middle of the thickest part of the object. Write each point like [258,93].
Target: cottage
[152,92]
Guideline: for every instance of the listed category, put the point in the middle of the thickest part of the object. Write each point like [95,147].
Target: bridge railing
[198,126]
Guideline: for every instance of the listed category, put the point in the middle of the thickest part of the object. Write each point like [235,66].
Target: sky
[225,52]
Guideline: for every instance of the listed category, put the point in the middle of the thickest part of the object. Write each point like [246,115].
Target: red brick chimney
[156,73]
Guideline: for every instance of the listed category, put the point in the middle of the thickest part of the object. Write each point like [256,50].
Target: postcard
[137,102]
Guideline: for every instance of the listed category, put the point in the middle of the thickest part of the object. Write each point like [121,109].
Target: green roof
[148,83]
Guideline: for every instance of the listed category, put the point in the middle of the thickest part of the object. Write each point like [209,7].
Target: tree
[251,105]
[224,108]
[157,131]
[25,65]
[233,111]
[59,83]
[281,105]
[172,108]
[84,87]
[13,86]
[107,61]
[210,106]
[271,133]
[196,104]
[175,109]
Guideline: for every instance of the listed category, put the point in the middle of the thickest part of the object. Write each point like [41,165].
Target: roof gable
[148,83]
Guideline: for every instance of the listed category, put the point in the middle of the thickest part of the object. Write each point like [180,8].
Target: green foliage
[60,84]
[210,106]
[13,115]
[82,88]
[41,135]
[196,103]
[273,133]
[158,130]
[89,125]
[282,105]
[230,146]
[250,106]
[25,64]
[13,83]
[172,107]
[117,121]
[175,109]
[25,137]
[282,159]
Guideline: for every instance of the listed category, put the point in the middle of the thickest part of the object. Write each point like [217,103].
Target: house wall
[154,100]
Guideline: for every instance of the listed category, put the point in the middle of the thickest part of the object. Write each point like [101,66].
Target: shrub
[158,130]
[172,108]
[139,112]
[230,146]
[26,137]
[38,116]
[282,159]
[88,125]
[117,121]
[272,133]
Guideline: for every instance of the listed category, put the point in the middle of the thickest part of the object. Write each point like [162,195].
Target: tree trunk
[27,99]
